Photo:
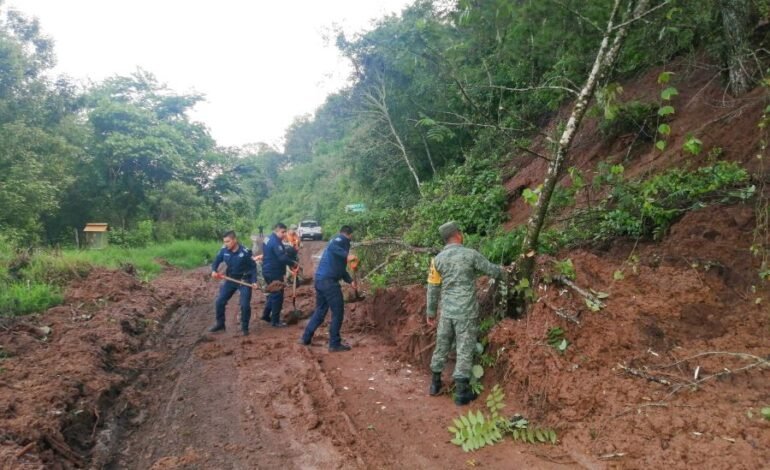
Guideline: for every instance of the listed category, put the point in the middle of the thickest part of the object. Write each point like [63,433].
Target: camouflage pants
[464,332]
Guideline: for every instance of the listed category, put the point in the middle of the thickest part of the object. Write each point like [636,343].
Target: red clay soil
[63,371]
[129,378]
[703,110]
[684,297]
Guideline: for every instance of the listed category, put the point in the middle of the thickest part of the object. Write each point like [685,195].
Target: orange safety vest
[293,240]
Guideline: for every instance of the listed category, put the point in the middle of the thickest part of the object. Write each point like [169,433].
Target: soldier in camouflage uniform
[452,276]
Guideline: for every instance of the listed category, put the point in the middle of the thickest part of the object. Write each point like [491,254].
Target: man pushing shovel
[241,276]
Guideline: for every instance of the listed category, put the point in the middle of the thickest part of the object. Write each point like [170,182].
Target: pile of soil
[64,372]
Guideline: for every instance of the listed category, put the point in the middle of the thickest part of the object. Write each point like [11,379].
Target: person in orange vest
[292,238]
[292,242]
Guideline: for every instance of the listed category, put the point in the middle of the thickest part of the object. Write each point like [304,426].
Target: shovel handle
[237,281]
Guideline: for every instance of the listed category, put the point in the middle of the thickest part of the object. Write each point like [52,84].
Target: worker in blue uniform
[274,264]
[240,266]
[331,269]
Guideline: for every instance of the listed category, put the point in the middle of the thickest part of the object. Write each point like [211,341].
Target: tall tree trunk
[378,101]
[427,152]
[736,26]
[605,58]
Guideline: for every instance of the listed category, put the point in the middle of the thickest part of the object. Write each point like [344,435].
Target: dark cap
[448,229]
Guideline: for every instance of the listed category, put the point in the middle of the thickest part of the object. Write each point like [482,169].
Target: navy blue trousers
[273,303]
[226,291]
[328,295]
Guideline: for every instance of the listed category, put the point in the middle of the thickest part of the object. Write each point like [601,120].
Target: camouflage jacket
[452,276]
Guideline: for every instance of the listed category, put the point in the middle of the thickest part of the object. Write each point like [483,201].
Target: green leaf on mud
[593,305]
[668,93]
[664,77]
[552,436]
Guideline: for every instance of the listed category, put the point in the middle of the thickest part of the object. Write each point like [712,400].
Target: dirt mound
[669,373]
[65,371]
[396,314]
[651,378]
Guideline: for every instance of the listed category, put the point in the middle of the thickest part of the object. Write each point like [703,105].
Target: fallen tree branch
[533,88]
[532,152]
[383,264]
[419,353]
[64,450]
[644,375]
[397,242]
[713,353]
[25,449]
[580,290]
[727,371]
[562,313]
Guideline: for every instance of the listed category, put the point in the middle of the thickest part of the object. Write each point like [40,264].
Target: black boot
[217,327]
[435,385]
[463,392]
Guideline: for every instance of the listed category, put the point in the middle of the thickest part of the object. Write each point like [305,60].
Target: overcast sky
[260,63]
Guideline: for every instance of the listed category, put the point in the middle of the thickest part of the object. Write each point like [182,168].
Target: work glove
[353,262]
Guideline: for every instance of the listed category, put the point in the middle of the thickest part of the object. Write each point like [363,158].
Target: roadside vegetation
[32,280]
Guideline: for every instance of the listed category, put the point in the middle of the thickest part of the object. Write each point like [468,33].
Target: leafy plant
[477,372]
[565,268]
[634,117]
[523,433]
[692,145]
[531,196]
[555,338]
[645,209]
[476,429]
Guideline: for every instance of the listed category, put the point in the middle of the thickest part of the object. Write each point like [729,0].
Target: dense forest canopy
[443,97]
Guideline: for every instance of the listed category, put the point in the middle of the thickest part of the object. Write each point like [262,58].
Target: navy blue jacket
[275,259]
[333,264]
[239,263]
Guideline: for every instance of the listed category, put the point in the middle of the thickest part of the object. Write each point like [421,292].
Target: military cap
[448,229]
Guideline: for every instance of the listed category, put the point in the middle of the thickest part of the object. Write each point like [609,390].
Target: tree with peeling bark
[614,35]
[736,25]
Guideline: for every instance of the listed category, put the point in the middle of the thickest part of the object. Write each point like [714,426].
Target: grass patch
[185,254]
[23,298]
[37,280]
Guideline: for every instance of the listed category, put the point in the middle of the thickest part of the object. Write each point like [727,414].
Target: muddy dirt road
[228,402]
[124,375]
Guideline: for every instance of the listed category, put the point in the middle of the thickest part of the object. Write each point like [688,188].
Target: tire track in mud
[225,401]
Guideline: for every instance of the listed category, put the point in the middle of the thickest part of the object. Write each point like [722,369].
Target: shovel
[237,281]
[295,315]
[274,286]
